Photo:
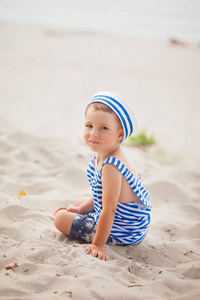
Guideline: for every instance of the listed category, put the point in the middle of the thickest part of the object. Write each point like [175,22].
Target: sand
[43,153]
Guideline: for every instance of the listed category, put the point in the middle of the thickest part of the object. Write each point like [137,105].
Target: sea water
[135,18]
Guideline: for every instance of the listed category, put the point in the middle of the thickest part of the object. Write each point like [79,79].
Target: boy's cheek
[85,133]
[85,136]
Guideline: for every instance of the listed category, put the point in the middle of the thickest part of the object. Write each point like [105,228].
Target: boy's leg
[63,221]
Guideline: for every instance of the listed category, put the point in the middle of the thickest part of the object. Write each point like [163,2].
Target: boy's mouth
[94,142]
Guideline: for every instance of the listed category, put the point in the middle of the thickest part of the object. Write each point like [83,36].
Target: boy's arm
[111,183]
[85,207]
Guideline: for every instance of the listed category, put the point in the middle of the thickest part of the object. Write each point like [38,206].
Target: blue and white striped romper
[132,219]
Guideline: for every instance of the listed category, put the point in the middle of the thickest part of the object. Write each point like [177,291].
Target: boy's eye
[104,128]
[88,126]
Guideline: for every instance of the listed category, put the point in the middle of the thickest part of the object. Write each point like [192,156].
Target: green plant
[141,139]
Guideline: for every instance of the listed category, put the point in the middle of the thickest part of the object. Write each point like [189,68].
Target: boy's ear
[121,134]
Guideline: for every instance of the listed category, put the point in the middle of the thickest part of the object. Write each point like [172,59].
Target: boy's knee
[63,221]
[59,218]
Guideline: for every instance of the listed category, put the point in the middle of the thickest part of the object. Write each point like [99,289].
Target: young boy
[119,212]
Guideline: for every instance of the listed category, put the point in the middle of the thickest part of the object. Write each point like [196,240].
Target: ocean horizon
[148,19]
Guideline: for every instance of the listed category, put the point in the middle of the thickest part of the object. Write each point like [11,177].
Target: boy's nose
[94,132]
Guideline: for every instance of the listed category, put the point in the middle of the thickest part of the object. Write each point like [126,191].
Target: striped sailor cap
[121,108]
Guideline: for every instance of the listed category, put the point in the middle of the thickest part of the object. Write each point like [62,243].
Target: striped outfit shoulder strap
[116,162]
[123,169]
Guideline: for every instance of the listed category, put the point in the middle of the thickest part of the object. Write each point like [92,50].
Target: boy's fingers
[95,253]
[70,209]
[61,208]
[100,255]
[87,250]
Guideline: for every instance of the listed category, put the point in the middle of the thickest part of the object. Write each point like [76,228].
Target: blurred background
[135,18]
[55,54]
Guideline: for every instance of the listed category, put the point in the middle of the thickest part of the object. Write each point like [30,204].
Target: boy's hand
[69,208]
[96,252]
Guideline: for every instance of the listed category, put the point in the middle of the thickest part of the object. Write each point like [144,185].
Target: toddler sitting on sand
[119,212]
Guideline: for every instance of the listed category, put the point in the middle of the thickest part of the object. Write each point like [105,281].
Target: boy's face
[103,131]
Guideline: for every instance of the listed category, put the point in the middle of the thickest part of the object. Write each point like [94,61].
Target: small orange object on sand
[23,193]
[11,266]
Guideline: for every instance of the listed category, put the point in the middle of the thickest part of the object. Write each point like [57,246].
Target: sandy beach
[46,79]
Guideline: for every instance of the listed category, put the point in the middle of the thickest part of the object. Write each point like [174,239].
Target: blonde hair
[103,107]
[100,106]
